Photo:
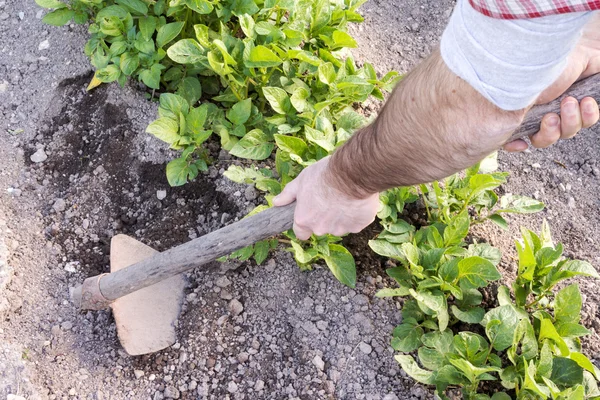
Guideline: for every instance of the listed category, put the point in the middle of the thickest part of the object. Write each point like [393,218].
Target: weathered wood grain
[198,251]
[586,87]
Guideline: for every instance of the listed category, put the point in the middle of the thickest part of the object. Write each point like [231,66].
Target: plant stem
[421,188]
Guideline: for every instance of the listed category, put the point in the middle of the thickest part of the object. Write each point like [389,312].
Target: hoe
[145,288]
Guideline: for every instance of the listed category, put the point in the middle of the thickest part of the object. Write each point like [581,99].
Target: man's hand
[322,207]
[584,61]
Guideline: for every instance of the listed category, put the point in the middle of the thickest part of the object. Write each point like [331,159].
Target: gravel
[39,156]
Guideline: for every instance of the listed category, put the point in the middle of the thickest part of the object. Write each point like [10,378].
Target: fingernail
[553,121]
[589,108]
[570,106]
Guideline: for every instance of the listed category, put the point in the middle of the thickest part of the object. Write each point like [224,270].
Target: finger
[301,232]
[570,118]
[339,232]
[288,195]
[516,146]
[589,112]
[549,131]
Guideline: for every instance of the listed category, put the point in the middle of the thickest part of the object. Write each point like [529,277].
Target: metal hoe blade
[146,318]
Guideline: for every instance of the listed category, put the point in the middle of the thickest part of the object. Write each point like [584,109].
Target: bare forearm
[433,125]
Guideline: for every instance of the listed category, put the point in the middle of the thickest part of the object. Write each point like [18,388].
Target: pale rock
[45,45]
[39,156]
[161,194]
[318,362]
[235,307]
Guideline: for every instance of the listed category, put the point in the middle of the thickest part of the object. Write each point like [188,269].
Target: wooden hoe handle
[586,87]
[97,292]
[182,258]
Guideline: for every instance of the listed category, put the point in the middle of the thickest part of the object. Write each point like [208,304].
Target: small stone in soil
[44,45]
[365,348]
[39,156]
[235,307]
[318,362]
[59,205]
[161,194]
[138,373]
[232,387]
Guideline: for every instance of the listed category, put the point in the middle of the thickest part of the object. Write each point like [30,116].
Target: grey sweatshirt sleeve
[510,62]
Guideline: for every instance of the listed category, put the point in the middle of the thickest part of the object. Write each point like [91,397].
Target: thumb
[288,195]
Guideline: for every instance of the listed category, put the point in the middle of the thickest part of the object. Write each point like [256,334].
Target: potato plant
[272,80]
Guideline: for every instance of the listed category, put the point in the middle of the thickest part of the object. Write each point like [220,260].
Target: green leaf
[186,51]
[129,63]
[254,145]
[201,7]
[524,342]
[527,261]
[278,99]
[299,99]
[262,57]
[471,316]
[239,7]
[196,119]
[190,89]
[147,27]
[501,396]
[519,204]
[389,292]
[166,129]
[504,335]
[407,336]
[50,4]
[135,6]
[291,144]
[486,251]
[167,33]
[435,302]
[584,362]
[530,383]
[475,272]
[151,77]
[458,228]
[566,372]
[303,256]
[320,15]
[341,263]
[431,359]
[342,39]
[108,74]
[573,268]
[171,105]
[567,305]
[572,330]
[178,171]
[499,220]
[322,139]
[548,331]
[327,73]
[411,368]
[247,24]
[202,35]
[261,251]
[58,17]
[239,113]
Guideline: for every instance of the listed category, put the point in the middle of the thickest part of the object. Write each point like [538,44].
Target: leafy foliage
[532,343]
[272,80]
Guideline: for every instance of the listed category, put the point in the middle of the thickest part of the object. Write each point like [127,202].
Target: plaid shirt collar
[521,9]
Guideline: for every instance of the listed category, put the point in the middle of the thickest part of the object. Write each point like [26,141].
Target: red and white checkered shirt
[520,9]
